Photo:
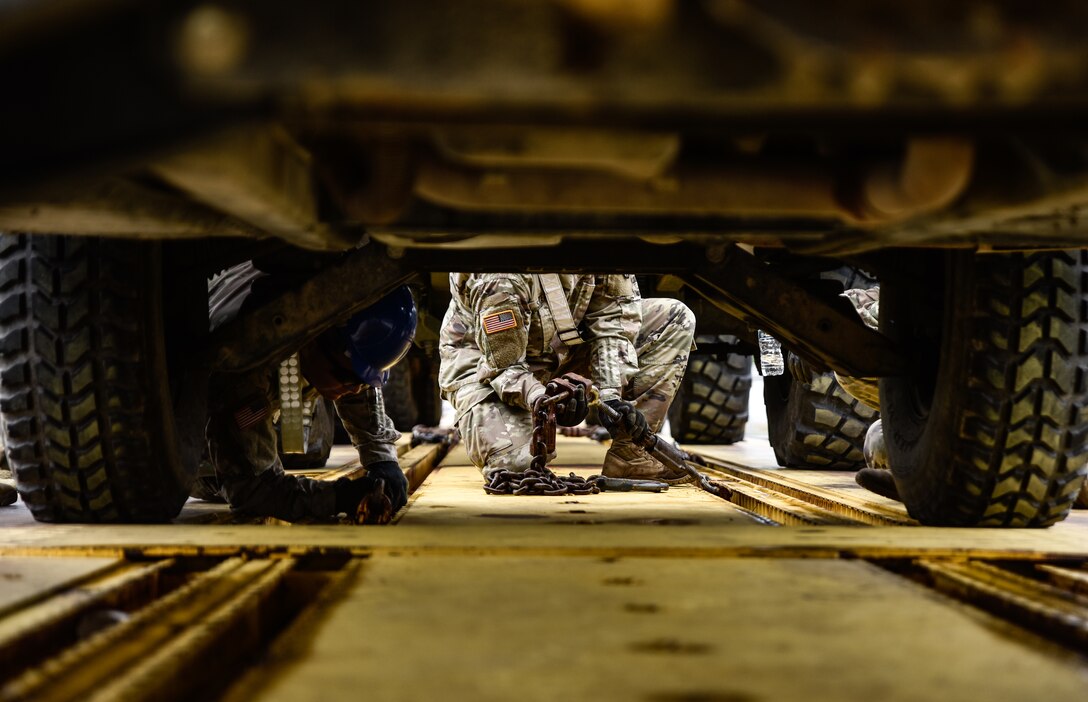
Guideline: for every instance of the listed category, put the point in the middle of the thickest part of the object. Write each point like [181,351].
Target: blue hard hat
[380,335]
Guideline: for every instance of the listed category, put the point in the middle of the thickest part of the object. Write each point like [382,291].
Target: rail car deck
[663,597]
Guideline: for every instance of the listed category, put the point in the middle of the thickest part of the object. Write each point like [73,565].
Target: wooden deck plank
[24,580]
[724,536]
[455,496]
[699,540]
[578,628]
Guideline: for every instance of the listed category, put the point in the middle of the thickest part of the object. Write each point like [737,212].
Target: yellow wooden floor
[653,617]
[665,597]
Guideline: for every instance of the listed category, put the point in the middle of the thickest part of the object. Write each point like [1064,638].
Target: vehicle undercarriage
[737,150]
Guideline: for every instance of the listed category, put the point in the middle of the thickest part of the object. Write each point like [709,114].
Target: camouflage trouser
[242,441]
[246,457]
[497,435]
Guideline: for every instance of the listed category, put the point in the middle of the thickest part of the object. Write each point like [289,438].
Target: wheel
[711,406]
[400,403]
[411,394]
[813,423]
[425,388]
[989,427]
[85,395]
[320,438]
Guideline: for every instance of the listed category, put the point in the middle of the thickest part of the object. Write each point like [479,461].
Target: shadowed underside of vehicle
[740,149]
[838,128]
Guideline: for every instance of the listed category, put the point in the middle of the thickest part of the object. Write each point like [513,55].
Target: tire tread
[1021,452]
[72,381]
[712,405]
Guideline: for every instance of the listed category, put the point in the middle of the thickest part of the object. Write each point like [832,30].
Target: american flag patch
[500,321]
[251,415]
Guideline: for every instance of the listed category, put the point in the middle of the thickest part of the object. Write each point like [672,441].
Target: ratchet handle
[629,485]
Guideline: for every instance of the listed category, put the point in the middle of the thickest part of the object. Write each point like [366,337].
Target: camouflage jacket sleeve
[612,321]
[500,305]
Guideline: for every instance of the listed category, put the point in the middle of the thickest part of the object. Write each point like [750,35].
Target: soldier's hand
[396,485]
[574,409]
[630,424]
[363,500]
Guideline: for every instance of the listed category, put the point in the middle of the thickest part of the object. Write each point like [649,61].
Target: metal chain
[539,482]
[539,479]
[538,447]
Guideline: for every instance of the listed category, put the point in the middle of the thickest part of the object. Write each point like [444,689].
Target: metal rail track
[1047,599]
[169,629]
[789,501]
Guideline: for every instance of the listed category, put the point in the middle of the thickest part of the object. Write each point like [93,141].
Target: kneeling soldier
[505,335]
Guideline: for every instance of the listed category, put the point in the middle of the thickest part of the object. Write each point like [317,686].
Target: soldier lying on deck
[345,364]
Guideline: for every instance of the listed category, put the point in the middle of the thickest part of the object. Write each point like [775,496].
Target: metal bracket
[739,284]
[293,434]
[279,327]
[809,325]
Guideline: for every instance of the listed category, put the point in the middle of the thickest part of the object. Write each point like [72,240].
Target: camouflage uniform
[500,344]
[867,304]
[242,441]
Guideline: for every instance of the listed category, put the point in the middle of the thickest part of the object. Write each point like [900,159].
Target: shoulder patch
[499,321]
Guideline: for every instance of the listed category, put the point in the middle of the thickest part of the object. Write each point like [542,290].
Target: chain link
[539,482]
[539,479]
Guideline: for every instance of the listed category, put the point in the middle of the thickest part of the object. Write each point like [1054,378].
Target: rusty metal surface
[846,509]
[780,509]
[812,326]
[560,106]
[260,175]
[118,207]
[720,58]
[277,328]
[37,629]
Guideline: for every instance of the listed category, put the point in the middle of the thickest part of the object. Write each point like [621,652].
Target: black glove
[396,485]
[574,409]
[630,424]
[364,500]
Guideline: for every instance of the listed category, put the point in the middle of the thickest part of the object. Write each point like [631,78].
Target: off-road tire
[319,442]
[990,427]
[400,403]
[84,390]
[411,394]
[813,423]
[711,406]
[425,387]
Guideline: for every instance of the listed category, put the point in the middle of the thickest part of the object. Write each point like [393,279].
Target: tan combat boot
[877,476]
[625,460]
